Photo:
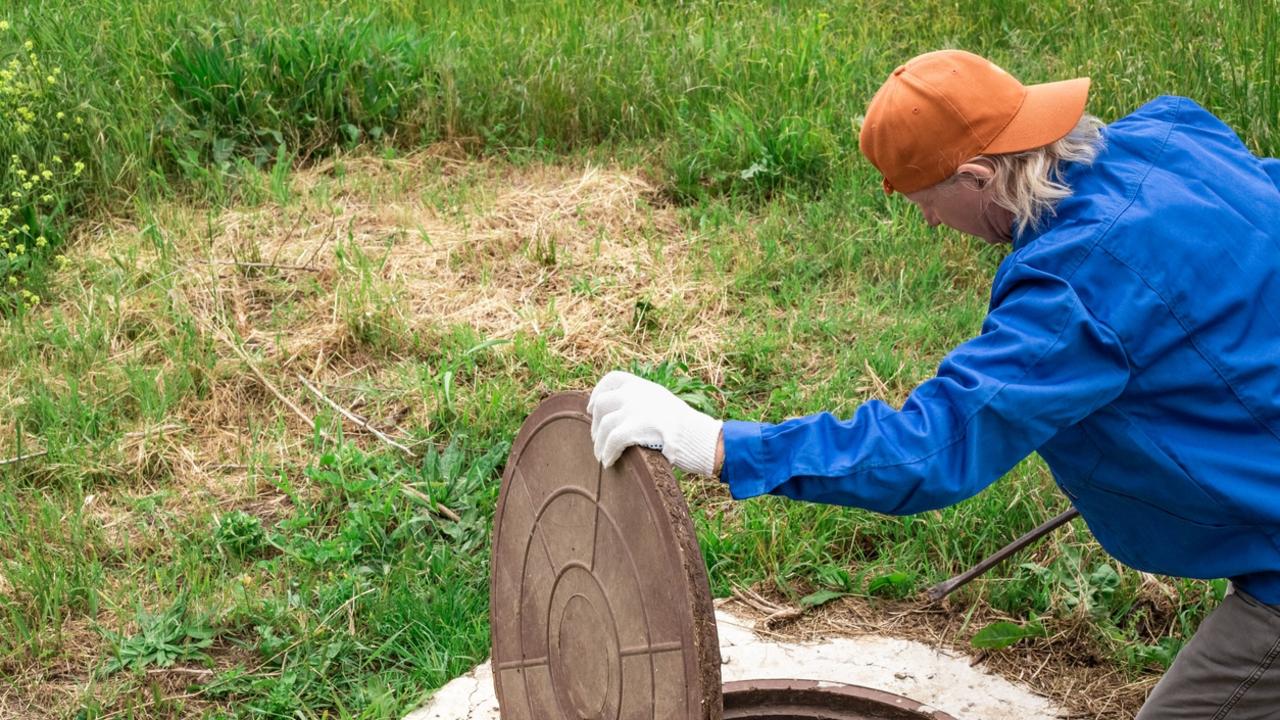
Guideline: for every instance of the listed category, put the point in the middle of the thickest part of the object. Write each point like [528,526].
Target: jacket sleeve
[1272,168]
[1042,363]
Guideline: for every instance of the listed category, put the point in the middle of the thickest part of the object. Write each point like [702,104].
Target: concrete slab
[936,677]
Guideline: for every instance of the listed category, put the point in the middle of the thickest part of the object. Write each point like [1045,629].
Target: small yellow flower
[57,160]
[16,194]
[79,120]
[28,45]
[22,249]
[60,116]
[50,79]
[4,25]
[13,256]
[27,185]
[13,279]
[46,198]
[41,241]
[46,175]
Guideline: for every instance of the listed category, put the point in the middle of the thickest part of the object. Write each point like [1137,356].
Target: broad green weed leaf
[999,635]
[822,597]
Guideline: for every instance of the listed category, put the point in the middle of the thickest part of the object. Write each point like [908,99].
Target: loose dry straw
[244,357]
[486,264]
[489,265]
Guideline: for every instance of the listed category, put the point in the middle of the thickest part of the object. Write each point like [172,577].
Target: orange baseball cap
[943,108]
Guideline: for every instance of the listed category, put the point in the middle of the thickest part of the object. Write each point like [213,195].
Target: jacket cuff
[744,461]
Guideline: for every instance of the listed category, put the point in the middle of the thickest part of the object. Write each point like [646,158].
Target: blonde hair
[1029,183]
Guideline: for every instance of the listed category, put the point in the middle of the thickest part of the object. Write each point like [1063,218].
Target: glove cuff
[695,445]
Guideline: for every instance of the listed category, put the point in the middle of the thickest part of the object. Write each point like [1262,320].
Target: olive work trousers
[1229,671]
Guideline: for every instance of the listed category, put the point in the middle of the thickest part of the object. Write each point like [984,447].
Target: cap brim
[1048,113]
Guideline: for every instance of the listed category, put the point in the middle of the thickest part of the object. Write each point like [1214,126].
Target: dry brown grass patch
[562,252]
[372,259]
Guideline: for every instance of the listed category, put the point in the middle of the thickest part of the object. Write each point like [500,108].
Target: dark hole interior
[818,703]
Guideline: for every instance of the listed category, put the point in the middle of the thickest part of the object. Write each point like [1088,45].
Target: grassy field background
[214,216]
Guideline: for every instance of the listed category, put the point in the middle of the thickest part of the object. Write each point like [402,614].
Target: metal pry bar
[945,588]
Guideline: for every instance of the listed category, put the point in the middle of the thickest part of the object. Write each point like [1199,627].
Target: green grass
[721,87]
[291,572]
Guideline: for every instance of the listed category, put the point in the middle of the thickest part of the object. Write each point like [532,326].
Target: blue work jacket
[1133,341]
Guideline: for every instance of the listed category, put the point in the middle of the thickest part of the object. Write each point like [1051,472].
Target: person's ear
[980,171]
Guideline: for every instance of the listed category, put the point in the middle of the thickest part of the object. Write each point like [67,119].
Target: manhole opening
[809,700]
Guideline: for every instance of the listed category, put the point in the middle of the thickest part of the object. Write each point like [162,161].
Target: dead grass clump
[367,261]
[586,257]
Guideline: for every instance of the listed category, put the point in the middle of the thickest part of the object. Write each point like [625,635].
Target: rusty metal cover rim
[819,700]
[604,631]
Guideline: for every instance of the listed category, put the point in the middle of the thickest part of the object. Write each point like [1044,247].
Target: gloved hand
[628,410]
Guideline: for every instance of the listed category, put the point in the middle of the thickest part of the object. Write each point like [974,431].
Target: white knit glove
[628,410]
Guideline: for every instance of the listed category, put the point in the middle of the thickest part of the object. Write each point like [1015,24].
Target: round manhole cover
[600,608]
